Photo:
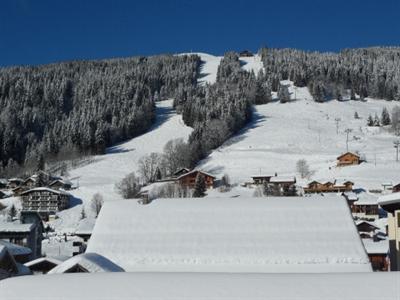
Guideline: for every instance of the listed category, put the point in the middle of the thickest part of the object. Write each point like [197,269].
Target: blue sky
[43,31]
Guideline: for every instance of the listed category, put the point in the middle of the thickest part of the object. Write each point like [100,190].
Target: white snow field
[252,235]
[209,68]
[281,134]
[252,63]
[203,286]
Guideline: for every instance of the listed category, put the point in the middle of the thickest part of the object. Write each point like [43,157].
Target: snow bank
[297,234]
[195,286]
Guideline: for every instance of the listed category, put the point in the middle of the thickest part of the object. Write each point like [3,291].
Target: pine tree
[83,213]
[283,94]
[199,186]
[370,121]
[12,213]
[352,94]
[385,117]
[40,163]
[356,116]
[377,122]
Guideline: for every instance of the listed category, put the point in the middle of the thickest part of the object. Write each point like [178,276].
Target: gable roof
[274,234]
[92,262]
[351,153]
[194,171]
[14,249]
[40,260]
[15,227]
[46,189]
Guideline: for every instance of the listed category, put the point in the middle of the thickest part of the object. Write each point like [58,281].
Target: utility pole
[348,130]
[397,145]
[337,120]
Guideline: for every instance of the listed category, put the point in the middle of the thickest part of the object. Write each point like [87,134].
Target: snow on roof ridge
[47,189]
[92,262]
[42,259]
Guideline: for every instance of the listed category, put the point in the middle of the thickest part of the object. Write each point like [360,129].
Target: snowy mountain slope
[120,160]
[281,134]
[253,63]
[209,68]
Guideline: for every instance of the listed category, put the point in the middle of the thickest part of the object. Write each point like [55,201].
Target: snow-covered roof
[63,181]
[15,227]
[275,234]
[85,226]
[389,199]
[46,189]
[194,171]
[262,175]
[366,199]
[351,196]
[92,262]
[351,153]
[41,260]
[15,249]
[206,286]
[278,179]
[378,247]
[372,224]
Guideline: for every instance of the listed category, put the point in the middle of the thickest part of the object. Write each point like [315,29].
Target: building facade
[45,201]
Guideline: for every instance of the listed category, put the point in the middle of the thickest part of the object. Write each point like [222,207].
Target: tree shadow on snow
[255,122]
[73,201]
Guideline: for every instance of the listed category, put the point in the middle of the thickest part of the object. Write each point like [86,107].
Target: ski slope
[210,63]
[281,134]
[120,160]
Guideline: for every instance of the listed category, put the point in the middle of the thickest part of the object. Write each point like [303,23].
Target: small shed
[348,159]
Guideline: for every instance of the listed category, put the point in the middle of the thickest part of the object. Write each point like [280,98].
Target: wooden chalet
[328,187]
[262,178]
[283,181]
[188,179]
[348,159]
[60,184]
[378,254]
[3,183]
[366,207]
[27,232]
[45,201]
[180,172]
[246,53]
[14,182]
[8,266]
[366,229]
[396,188]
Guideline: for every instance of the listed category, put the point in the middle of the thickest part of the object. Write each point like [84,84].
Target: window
[398,219]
